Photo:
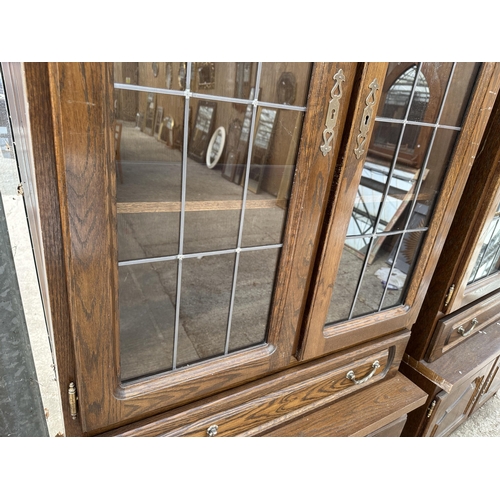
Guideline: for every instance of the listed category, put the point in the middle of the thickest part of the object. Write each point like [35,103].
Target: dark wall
[21,409]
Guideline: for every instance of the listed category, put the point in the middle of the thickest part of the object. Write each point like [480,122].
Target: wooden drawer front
[465,323]
[380,410]
[276,407]
[261,406]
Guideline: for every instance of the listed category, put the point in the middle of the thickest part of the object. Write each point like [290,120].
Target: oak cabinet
[457,384]
[462,303]
[265,292]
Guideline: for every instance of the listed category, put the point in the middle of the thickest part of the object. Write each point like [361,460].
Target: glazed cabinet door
[477,270]
[180,244]
[415,131]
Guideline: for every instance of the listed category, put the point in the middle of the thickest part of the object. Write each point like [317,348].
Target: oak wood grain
[361,414]
[44,155]
[252,408]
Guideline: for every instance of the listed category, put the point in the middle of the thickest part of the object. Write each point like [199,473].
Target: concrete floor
[484,423]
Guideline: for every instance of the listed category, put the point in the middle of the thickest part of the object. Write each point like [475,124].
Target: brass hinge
[72,400]
[449,295]
[431,409]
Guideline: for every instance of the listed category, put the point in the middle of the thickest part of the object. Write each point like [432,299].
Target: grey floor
[484,423]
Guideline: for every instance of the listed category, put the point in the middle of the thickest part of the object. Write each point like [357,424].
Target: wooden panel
[253,409]
[453,408]
[462,361]
[347,178]
[447,333]
[393,429]
[44,155]
[490,386]
[362,414]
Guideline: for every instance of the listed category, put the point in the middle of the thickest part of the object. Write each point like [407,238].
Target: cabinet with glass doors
[457,331]
[246,246]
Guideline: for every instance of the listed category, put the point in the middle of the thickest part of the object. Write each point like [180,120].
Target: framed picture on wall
[264,133]
[149,114]
[158,120]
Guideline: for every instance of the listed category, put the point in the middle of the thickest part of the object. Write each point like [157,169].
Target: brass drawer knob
[350,375]
[212,430]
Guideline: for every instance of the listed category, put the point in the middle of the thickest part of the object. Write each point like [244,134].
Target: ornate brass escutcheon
[366,120]
[333,111]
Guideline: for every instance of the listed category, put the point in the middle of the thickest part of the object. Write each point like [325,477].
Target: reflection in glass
[252,300]
[344,289]
[147,318]
[401,178]
[274,153]
[148,188]
[487,262]
[287,82]
[464,77]
[199,245]
[204,309]
[402,268]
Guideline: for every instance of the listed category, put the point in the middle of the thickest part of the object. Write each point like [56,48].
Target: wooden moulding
[462,361]
[379,410]
[446,335]
[259,407]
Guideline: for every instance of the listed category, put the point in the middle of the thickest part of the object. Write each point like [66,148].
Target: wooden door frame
[321,339]
[71,108]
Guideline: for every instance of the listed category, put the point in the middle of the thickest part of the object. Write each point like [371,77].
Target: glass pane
[403,183]
[213,205]
[176,201]
[252,301]
[464,77]
[400,78]
[401,178]
[405,262]
[148,184]
[439,160]
[274,154]
[375,276]
[431,85]
[227,79]
[285,83]
[162,75]
[204,310]
[147,318]
[344,289]
[487,261]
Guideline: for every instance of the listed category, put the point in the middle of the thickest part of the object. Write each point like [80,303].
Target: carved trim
[333,111]
[366,120]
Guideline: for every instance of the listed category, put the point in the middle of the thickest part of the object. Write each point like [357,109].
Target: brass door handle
[350,375]
[461,329]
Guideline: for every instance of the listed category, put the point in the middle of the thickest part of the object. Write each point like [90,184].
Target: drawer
[380,410]
[268,403]
[455,328]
